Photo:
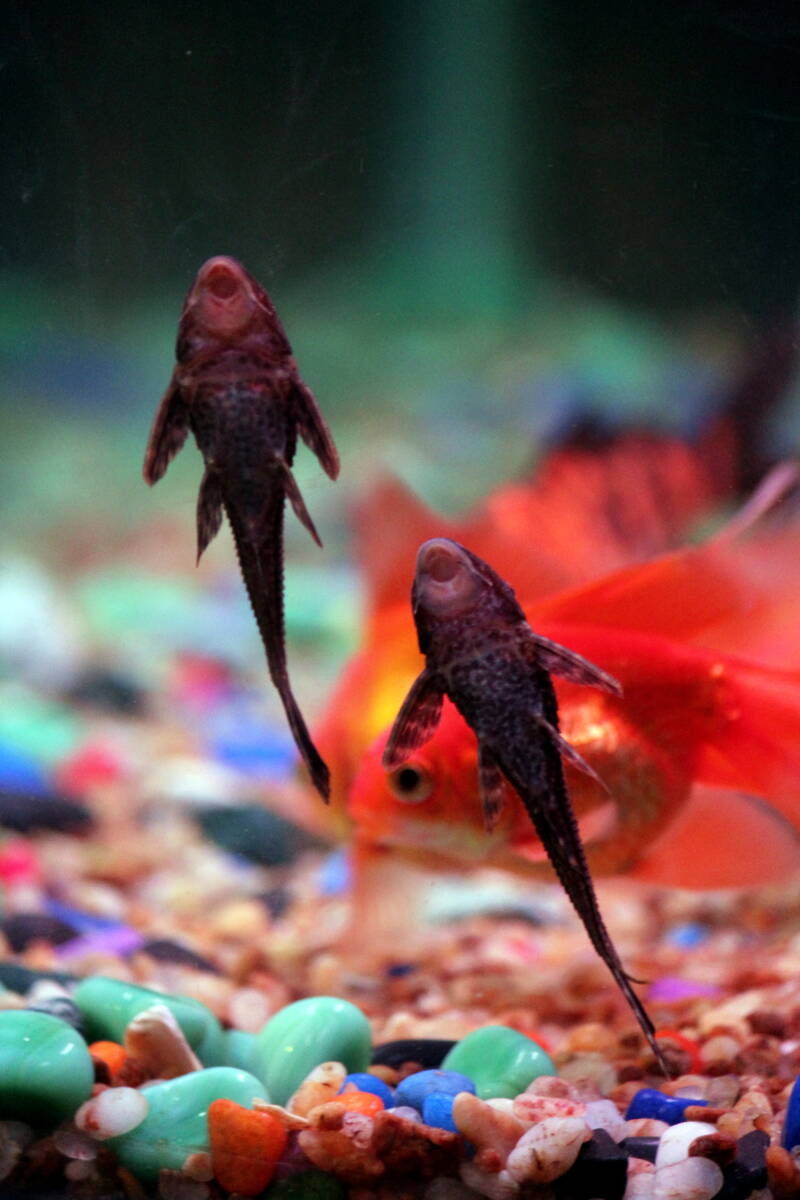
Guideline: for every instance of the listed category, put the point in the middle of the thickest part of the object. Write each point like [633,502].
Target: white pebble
[676,1140]
[494,1185]
[645,1127]
[547,1149]
[690,1179]
[112,1112]
[640,1186]
[604,1114]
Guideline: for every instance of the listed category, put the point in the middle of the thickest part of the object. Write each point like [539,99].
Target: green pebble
[109,1005]
[176,1124]
[500,1061]
[46,1070]
[303,1035]
[309,1185]
[240,1049]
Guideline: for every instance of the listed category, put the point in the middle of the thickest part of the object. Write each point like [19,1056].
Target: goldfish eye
[410,784]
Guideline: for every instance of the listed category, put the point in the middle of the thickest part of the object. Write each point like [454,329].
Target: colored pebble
[21,979]
[428,1052]
[648,1102]
[303,1035]
[112,1054]
[748,1171]
[25,812]
[240,1049]
[22,928]
[685,1043]
[165,950]
[362,1081]
[641,1147]
[254,833]
[108,691]
[245,1146]
[176,1124]
[109,1005]
[791,1129]
[46,1069]
[414,1089]
[61,1007]
[437,1110]
[500,1061]
[366,1103]
[675,1142]
[601,1169]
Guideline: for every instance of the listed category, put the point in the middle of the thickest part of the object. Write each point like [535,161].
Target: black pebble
[107,691]
[641,1147]
[277,901]
[21,979]
[428,1052]
[748,1171]
[255,834]
[24,812]
[164,950]
[61,1007]
[600,1172]
[21,929]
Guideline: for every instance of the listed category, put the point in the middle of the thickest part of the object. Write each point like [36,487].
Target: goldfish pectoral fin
[492,786]
[568,665]
[313,429]
[167,435]
[721,839]
[419,715]
[297,502]
[568,752]
[209,511]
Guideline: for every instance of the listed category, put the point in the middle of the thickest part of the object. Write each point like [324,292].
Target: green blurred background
[475,217]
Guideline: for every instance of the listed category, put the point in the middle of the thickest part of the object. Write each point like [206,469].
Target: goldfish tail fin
[167,435]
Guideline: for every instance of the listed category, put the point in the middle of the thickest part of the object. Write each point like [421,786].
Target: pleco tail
[551,812]
[261,564]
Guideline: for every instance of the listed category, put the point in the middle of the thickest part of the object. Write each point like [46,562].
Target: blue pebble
[648,1102]
[437,1110]
[20,772]
[335,875]
[364,1082]
[414,1088]
[791,1129]
[687,935]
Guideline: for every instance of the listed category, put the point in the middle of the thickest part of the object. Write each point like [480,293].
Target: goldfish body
[237,387]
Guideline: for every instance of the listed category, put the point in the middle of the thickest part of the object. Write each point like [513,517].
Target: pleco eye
[410,784]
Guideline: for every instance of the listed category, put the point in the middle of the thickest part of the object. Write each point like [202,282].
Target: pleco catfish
[481,652]
[237,387]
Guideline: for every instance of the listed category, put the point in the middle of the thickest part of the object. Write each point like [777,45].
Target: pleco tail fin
[261,561]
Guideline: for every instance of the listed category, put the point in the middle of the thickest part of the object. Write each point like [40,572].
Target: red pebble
[245,1146]
[19,863]
[112,1054]
[91,765]
[366,1103]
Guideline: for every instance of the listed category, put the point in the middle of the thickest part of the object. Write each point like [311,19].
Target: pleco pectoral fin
[492,786]
[419,715]
[313,429]
[296,500]
[567,751]
[167,435]
[569,665]
[209,511]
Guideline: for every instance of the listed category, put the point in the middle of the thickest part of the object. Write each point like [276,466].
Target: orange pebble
[245,1146]
[361,1102]
[111,1053]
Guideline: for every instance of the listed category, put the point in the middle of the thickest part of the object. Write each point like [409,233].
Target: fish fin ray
[418,717]
[297,502]
[565,663]
[568,751]
[492,786]
[313,428]
[209,511]
[167,434]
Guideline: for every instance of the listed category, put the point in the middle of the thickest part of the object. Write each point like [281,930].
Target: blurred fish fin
[753,740]
[209,510]
[387,907]
[492,786]
[721,839]
[314,429]
[419,715]
[391,523]
[296,500]
[567,751]
[167,435]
